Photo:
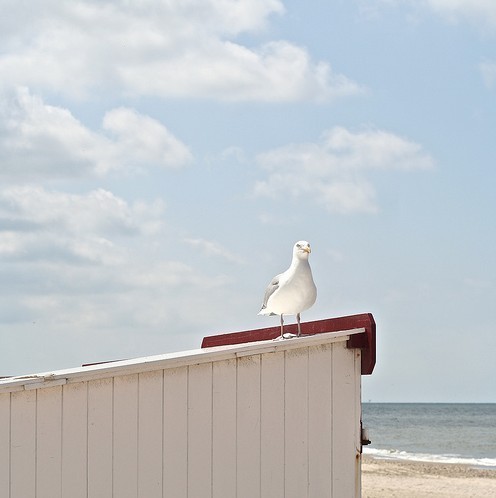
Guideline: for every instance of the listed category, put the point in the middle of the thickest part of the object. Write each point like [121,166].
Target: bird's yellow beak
[307,249]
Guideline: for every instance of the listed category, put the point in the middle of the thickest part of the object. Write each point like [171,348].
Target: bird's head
[302,249]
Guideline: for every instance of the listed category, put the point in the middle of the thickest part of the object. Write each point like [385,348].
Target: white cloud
[96,262]
[213,248]
[481,11]
[348,196]
[133,297]
[36,224]
[39,141]
[277,71]
[333,170]
[146,140]
[167,49]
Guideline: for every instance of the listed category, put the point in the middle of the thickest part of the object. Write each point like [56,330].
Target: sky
[159,159]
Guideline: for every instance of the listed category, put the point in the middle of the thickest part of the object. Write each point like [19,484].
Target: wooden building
[244,416]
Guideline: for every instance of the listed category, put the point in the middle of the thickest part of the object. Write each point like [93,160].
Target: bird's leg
[299,326]
[282,327]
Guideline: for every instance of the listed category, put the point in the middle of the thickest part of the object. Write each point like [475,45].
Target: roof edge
[166,361]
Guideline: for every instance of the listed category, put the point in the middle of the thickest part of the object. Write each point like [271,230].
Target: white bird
[293,291]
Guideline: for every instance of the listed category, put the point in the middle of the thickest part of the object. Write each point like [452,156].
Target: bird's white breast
[296,292]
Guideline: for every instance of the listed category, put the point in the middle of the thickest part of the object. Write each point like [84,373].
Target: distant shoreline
[405,456]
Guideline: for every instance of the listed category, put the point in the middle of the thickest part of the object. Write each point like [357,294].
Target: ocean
[432,432]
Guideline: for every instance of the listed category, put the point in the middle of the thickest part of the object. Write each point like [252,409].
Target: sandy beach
[405,479]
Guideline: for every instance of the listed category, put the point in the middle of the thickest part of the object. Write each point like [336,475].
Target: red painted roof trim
[365,341]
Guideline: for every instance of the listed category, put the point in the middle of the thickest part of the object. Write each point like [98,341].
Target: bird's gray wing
[271,288]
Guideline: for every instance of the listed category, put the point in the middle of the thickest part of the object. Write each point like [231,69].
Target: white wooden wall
[277,424]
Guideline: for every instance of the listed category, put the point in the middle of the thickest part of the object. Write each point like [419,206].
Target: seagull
[293,291]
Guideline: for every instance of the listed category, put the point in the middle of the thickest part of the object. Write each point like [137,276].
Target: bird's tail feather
[266,312]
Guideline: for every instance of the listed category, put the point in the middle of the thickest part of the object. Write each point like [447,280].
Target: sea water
[432,432]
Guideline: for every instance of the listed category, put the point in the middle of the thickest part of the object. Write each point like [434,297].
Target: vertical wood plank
[272,425]
[75,440]
[343,421]
[296,423]
[49,442]
[4,444]
[100,401]
[150,439]
[200,431]
[23,444]
[175,431]
[248,427]
[224,428]
[125,440]
[319,421]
